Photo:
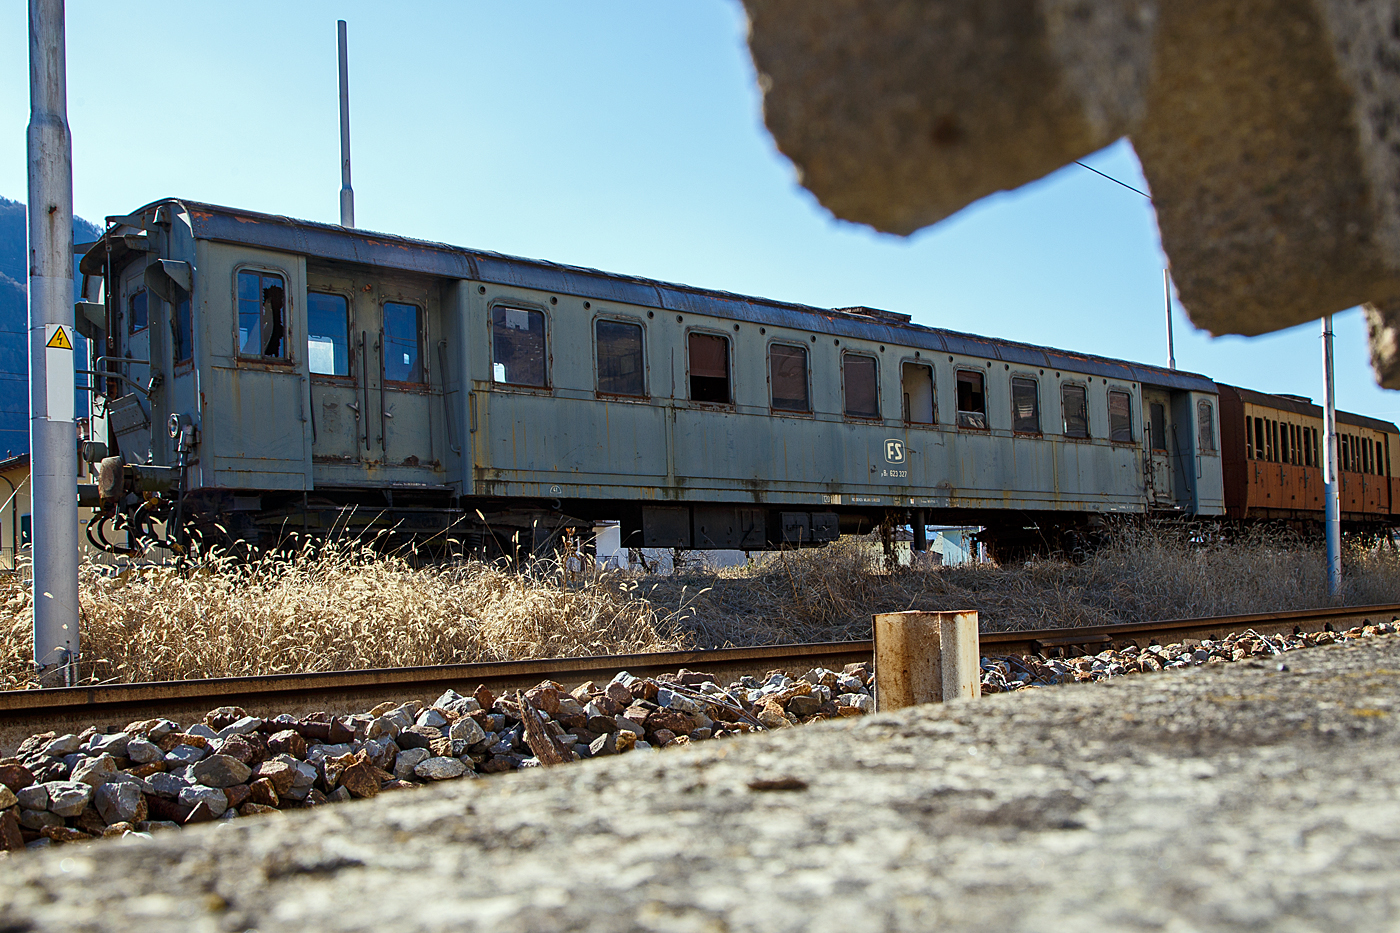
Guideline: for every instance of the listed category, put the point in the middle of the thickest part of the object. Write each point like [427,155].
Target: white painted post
[1331,482]
[53,438]
[926,657]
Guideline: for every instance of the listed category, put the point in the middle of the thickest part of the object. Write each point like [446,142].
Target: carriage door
[409,430]
[337,389]
[1157,469]
[129,411]
[265,425]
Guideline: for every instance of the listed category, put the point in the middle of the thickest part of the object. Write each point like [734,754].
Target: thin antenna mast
[347,193]
[1171,339]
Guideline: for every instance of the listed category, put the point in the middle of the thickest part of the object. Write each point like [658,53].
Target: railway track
[72,709]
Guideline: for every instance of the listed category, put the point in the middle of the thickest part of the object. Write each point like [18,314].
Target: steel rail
[111,706]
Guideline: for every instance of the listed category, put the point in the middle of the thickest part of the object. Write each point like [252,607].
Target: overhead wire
[1114,180]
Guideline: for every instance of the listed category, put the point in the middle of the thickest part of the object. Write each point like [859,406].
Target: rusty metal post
[925,657]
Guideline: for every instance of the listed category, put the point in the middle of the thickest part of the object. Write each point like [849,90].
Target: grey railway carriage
[263,374]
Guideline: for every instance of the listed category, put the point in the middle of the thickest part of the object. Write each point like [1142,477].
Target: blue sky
[625,136]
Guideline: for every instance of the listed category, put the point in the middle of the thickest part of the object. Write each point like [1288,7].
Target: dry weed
[343,608]
[346,607]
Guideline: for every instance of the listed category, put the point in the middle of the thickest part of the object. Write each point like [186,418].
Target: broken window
[1284,452]
[1248,437]
[787,377]
[1260,448]
[328,334]
[262,314]
[862,380]
[972,399]
[1120,417]
[518,347]
[182,337]
[709,368]
[1025,405]
[1205,426]
[916,382]
[136,314]
[1159,426]
[1075,402]
[403,330]
[621,370]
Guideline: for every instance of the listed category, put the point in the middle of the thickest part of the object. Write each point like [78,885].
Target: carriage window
[620,369]
[972,400]
[916,381]
[1120,417]
[328,334]
[403,327]
[180,327]
[709,368]
[1205,426]
[518,347]
[1159,426]
[1074,400]
[862,380]
[1025,405]
[1248,437]
[787,377]
[262,309]
[136,317]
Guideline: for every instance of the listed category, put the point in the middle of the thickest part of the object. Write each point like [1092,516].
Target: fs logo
[894,451]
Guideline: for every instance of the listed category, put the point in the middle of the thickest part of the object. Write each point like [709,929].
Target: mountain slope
[14,321]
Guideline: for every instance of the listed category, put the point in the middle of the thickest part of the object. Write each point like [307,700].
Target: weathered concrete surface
[1266,128]
[1223,798]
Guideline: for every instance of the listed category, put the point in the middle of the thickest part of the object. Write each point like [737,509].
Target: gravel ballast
[1245,796]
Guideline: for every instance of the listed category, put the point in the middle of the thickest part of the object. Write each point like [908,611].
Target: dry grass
[344,608]
[347,607]
[1144,573]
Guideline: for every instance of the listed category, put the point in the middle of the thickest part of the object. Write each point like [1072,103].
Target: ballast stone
[1266,128]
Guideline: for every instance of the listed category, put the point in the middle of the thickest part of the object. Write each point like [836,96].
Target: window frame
[597,373]
[1039,421]
[933,390]
[181,363]
[290,359]
[958,411]
[1088,434]
[729,366]
[879,415]
[809,411]
[1214,437]
[1132,424]
[350,377]
[425,371]
[131,328]
[518,305]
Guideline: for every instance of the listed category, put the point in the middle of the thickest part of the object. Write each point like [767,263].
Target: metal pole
[52,436]
[1331,482]
[1171,340]
[347,193]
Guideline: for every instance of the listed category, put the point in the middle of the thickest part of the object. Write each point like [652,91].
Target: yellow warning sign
[59,341]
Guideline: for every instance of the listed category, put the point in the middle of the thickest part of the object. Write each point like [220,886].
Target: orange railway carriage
[1271,451]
